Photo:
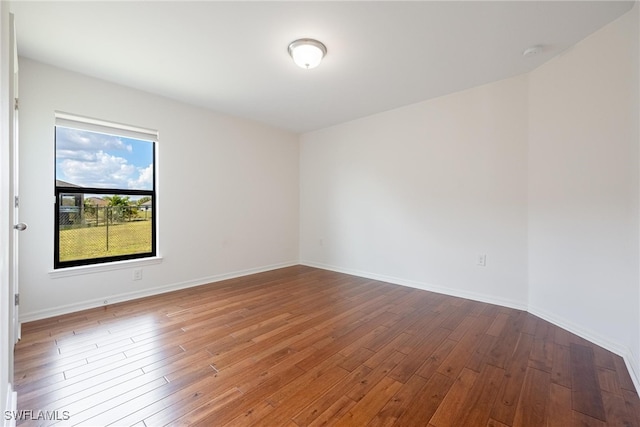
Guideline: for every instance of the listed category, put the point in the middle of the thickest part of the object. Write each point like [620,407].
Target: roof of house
[97,201]
[60,183]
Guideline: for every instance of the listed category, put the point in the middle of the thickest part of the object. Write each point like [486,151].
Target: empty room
[421,213]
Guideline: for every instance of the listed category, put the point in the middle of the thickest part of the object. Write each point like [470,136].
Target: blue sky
[91,159]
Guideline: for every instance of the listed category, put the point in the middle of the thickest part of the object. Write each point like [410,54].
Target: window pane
[100,226]
[105,192]
[98,160]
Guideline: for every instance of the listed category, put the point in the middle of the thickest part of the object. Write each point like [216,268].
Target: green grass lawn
[91,242]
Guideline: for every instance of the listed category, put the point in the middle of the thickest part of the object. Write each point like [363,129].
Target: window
[105,192]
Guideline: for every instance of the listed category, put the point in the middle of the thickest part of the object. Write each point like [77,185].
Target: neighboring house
[71,205]
[96,201]
[146,207]
[61,183]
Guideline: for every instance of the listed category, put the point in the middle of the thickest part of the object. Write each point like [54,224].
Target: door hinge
[17,299]
[16,202]
[16,104]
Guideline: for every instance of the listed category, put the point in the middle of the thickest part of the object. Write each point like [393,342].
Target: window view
[105,195]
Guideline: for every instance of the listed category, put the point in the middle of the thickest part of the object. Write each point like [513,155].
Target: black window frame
[59,190]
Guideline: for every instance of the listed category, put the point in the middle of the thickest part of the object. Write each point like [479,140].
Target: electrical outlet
[482,260]
[137,274]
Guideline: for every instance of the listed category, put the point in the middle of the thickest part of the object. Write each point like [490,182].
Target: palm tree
[143,200]
[117,200]
[120,206]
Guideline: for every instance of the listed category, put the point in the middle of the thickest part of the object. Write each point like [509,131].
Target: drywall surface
[227,197]
[416,194]
[583,188]
[7,401]
[538,172]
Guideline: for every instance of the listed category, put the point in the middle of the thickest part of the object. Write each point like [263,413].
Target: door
[14,194]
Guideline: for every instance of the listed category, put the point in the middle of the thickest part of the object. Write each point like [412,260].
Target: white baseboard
[423,286]
[633,365]
[621,350]
[99,302]
[11,407]
[629,358]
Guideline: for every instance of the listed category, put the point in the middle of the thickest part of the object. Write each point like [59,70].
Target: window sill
[101,268]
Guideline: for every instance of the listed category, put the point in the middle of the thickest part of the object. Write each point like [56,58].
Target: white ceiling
[232,57]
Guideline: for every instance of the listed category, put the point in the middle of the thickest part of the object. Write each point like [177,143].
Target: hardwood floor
[306,347]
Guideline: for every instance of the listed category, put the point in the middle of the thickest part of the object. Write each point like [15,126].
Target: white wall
[583,188]
[6,346]
[414,195]
[227,201]
[540,172]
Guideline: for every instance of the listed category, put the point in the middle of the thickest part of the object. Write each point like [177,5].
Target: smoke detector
[532,50]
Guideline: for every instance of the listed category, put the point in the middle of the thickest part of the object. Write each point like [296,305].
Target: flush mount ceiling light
[307,53]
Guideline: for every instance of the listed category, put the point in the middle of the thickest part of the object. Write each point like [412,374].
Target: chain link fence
[100,231]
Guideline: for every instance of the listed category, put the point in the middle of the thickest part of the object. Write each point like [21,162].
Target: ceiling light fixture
[307,53]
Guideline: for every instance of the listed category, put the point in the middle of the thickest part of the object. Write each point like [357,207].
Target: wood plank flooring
[306,347]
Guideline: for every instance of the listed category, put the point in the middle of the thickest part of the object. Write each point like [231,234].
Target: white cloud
[100,170]
[90,159]
[144,180]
